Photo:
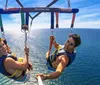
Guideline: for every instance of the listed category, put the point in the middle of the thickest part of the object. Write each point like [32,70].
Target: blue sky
[88,16]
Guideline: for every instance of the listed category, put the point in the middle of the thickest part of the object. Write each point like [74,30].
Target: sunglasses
[71,44]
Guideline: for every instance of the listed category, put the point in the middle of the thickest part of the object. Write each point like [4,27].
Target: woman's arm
[12,64]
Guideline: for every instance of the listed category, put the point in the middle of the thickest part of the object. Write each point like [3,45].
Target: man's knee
[47,57]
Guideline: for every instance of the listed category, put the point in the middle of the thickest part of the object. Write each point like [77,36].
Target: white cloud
[88,24]
[74,1]
[43,21]
[90,15]
[13,28]
[15,18]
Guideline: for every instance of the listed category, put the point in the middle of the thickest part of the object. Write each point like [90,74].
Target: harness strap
[57,19]
[73,19]
[1,26]
[6,4]
[24,25]
[22,19]
[52,30]
[69,4]
[72,23]
[59,47]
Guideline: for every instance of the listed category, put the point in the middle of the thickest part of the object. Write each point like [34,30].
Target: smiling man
[62,57]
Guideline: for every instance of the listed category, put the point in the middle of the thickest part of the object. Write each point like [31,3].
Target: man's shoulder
[64,60]
[65,57]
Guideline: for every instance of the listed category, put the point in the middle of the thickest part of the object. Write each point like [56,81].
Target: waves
[85,70]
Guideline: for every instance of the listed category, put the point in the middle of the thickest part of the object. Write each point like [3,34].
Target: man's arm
[60,68]
[53,41]
[55,44]
[58,71]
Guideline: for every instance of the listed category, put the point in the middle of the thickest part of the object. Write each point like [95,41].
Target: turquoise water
[85,70]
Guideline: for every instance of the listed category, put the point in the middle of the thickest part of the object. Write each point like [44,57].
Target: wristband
[46,76]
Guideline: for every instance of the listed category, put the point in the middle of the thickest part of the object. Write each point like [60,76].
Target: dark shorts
[24,78]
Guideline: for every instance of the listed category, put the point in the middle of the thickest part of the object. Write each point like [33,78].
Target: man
[14,68]
[62,57]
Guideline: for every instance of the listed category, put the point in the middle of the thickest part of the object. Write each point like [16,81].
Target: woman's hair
[76,38]
[4,40]
[0,40]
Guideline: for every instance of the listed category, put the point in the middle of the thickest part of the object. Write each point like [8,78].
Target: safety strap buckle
[25,28]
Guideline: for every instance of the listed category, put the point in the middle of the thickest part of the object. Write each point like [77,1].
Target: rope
[6,4]
[1,26]
[73,20]
[25,39]
[52,30]
[24,25]
[69,4]
[25,28]
[57,16]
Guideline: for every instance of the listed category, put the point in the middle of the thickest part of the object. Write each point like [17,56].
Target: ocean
[85,70]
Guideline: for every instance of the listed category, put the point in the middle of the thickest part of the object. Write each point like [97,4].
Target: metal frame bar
[22,6]
[54,1]
[37,9]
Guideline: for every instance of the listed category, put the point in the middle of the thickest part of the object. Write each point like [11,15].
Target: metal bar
[27,19]
[1,25]
[22,6]
[57,19]
[19,3]
[6,4]
[52,20]
[73,20]
[37,9]
[69,4]
[54,1]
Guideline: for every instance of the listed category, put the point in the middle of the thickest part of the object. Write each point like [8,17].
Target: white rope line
[40,82]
